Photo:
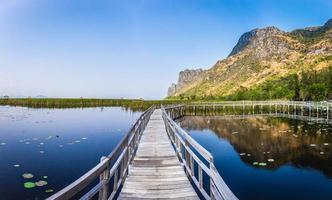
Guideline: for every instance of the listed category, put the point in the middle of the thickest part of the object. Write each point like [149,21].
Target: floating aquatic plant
[270,160]
[17,165]
[45,177]
[41,183]
[242,154]
[29,185]
[27,175]
[49,190]
[262,164]
[255,163]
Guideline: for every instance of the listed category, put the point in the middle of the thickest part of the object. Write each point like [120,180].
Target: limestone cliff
[260,56]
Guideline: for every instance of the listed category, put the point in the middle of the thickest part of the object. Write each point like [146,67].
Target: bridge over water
[157,159]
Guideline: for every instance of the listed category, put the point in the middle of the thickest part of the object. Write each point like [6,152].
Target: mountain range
[266,63]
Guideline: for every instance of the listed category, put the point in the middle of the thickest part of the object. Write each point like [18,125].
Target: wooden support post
[317,108]
[104,192]
[275,108]
[310,110]
[302,110]
[270,108]
[287,108]
[200,176]
[187,157]
[327,112]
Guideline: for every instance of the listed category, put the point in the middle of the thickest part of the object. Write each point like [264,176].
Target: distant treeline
[132,104]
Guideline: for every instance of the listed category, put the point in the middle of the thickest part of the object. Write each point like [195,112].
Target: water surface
[268,158]
[55,145]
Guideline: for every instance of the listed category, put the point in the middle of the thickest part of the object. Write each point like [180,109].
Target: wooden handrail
[181,140]
[115,163]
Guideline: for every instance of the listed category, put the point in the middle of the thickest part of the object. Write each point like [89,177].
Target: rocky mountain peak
[186,77]
[328,24]
[256,38]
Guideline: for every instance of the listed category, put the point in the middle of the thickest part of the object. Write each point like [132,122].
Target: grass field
[133,104]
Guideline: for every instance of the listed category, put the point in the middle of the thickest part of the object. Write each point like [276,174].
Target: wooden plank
[156,172]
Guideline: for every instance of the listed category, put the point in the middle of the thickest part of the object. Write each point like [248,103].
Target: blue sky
[122,48]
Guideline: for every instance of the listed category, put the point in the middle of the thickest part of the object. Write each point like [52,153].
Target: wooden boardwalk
[156,159]
[156,172]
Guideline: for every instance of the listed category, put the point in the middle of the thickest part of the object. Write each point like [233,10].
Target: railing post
[187,156]
[327,111]
[104,192]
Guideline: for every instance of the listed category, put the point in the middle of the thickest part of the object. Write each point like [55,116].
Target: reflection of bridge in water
[299,143]
[289,116]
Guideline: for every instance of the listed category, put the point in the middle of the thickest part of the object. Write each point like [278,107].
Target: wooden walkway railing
[111,171]
[192,154]
[303,108]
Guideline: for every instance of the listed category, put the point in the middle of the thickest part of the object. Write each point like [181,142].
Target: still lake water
[268,158]
[55,145]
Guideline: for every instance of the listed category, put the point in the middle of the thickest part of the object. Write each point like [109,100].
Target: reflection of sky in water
[59,143]
[268,158]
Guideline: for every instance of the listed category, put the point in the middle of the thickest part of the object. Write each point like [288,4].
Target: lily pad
[321,152]
[262,164]
[270,160]
[27,175]
[29,185]
[17,165]
[49,190]
[84,138]
[255,163]
[326,144]
[313,145]
[45,177]
[41,183]
[242,154]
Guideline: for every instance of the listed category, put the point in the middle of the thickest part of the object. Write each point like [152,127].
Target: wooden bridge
[296,108]
[156,159]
